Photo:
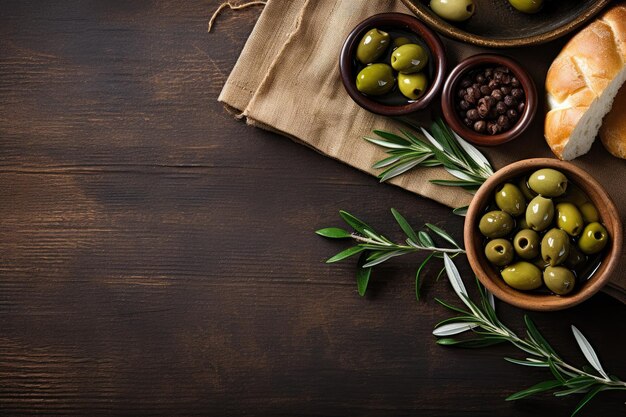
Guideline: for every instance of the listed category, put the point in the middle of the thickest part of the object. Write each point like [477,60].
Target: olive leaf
[483,321]
[438,147]
[377,248]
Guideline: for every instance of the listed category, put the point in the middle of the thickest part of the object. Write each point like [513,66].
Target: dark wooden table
[158,257]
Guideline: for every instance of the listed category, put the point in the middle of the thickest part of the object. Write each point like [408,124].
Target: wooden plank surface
[158,257]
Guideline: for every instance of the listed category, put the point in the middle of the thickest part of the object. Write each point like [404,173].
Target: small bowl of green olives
[392,64]
[542,234]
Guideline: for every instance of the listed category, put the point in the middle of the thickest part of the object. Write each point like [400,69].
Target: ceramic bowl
[489,276]
[449,98]
[392,21]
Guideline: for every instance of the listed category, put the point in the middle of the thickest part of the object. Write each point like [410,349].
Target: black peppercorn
[497,95]
[472,114]
[504,122]
[467,122]
[517,93]
[493,84]
[505,89]
[483,108]
[514,82]
[510,101]
[469,98]
[501,107]
[520,107]
[480,126]
[480,79]
[465,82]
[485,90]
[493,128]
[511,114]
[464,105]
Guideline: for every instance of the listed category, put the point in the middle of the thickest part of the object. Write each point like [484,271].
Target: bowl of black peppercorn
[489,99]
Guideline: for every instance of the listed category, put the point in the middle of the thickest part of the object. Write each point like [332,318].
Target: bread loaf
[613,130]
[582,82]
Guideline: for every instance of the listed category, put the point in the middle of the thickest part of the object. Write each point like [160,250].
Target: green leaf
[425,239]
[527,363]
[578,390]
[362,275]
[356,224]
[461,211]
[345,254]
[588,351]
[471,343]
[386,162]
[404,225]
[535,389]
[384,258]
[586,399]
[392,137]
[400,168]
[442,234]
[418,283]
[451,307]
[334,233]
[537,337]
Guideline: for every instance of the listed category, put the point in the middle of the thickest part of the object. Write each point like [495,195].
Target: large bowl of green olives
[392,64]
[542,234]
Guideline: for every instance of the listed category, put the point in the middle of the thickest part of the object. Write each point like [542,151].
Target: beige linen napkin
[287,80]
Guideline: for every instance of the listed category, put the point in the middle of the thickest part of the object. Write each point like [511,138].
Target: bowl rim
[532,301]
[409,22]
[449,30]
[476,61]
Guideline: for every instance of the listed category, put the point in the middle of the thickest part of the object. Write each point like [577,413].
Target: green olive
[409,58]
[573,195]
[496,224]
[522,276]
[575,259]
[372,46]
[593,239]
[521,223]
[539,213]
[523,186]
[540,263]
[569,219]
[375,79]
[398,42]
[455,10]
[548,182]
[511,200]
[559,280]
[526,243]
[589,212]
[527,6]
[412,86]
[499,252]
[555,247]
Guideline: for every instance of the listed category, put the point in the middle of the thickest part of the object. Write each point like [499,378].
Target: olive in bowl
[407,74]
[489,99]
[558,266]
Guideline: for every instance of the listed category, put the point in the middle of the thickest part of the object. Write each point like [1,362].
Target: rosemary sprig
[375,248]
[439,147]
[483,321]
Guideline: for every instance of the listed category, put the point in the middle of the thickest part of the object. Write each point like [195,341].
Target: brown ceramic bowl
[449,99]
[496,24]
[390,22]
[489,276]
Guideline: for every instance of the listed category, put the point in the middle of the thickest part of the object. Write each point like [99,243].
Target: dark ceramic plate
[497,24]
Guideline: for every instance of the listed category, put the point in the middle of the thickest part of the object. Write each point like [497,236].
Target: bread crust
[580,74]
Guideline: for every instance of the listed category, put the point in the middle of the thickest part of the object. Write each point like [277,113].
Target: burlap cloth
[287,80]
